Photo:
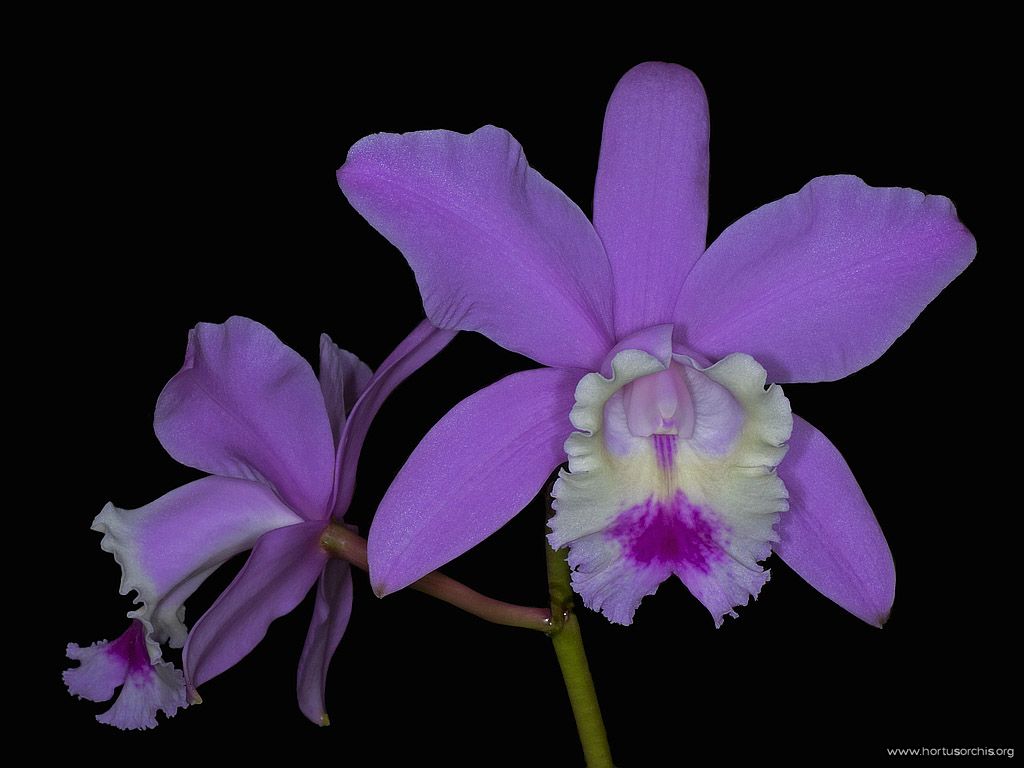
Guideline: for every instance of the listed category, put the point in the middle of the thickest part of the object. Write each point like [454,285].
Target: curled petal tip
[380,589]
[324,720]
[193,695]
[668,75]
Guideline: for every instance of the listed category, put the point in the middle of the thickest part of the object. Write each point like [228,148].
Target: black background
[198,182]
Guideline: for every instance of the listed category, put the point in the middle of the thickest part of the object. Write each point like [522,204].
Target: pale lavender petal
[830,536]
[330,619]
[651,197]
[245,405]
[280,571]
[495,247]
[818,284]
[146,687]
[167,548]
[471,474]
[343,377]
[416,349]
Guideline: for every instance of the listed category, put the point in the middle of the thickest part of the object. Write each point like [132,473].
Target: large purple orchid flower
[657,350]
[281,447]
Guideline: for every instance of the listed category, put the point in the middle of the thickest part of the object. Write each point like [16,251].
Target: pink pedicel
[670,532]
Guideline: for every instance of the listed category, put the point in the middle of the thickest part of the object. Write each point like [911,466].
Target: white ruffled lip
[723,470]
[117,543]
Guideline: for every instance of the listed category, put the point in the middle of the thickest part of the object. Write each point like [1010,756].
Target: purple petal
[496,248]
[471,474]
[818,284]
[830,536]
[245,405]
[280,571]
[330,619]
[416,349]
[651,198]
[343,377]
[167,548]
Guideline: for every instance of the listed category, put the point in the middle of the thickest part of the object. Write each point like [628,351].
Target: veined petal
[283,566]
[470,475]
[330,619]
[830,535]
[147,687]
[687,493]
[651,197]
[343,377]
[819,284]
[495,247]
[167,548]
[416,349]
[245,405]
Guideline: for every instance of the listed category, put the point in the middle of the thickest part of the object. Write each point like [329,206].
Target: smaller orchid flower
[281,446]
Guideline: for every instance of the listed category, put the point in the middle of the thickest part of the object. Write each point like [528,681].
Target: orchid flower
[281,447]
[657,351]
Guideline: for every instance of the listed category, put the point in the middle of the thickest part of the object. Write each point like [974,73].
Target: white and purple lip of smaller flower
[657,350]
[281,446]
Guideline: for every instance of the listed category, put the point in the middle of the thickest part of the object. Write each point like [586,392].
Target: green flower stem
[342,542]
[568,643]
